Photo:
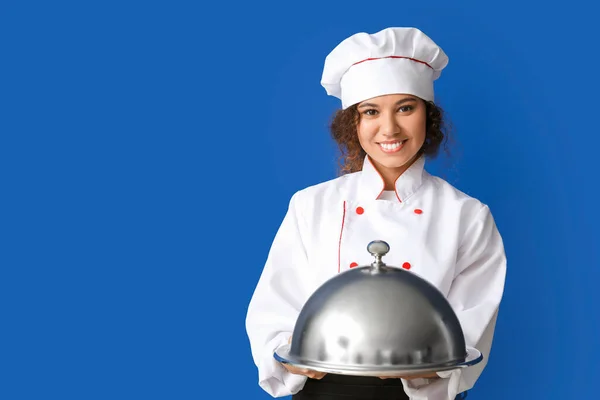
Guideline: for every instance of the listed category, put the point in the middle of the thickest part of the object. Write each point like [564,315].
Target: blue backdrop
[149,151]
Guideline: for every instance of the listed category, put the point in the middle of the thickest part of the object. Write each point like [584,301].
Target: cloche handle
[378,249]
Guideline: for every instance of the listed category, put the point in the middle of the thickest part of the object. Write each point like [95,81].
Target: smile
[392,147]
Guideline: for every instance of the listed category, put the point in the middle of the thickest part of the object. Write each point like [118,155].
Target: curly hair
[343,129]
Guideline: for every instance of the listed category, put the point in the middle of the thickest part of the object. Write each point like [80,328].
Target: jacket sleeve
[276,304]
[475,296]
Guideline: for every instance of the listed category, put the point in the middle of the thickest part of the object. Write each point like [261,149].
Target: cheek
[418,129]
[420,135]
[365,133]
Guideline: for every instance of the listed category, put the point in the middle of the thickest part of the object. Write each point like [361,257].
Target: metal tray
[282,355]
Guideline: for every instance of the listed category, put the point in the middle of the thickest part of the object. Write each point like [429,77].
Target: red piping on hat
[408,58]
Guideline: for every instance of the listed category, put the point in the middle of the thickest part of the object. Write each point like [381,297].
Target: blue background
[148,152]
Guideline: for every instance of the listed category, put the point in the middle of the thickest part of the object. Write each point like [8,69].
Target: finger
[293,369]
[288,367]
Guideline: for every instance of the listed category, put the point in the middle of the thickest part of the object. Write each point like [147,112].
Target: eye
[370,112]
[405,108]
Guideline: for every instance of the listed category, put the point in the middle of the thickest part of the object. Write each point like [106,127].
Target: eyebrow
[406,100]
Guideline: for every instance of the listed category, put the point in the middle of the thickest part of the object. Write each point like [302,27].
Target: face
[392,130]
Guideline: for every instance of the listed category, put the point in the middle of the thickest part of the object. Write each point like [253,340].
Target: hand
[303,371]
[306,372]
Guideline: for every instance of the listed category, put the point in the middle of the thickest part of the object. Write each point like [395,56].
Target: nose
[389,125]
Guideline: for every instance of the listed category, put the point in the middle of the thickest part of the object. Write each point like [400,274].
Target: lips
[392,146]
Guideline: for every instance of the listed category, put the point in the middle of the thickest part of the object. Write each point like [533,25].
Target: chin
[394,162]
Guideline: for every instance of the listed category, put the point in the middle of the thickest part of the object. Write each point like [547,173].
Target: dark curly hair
[343,129]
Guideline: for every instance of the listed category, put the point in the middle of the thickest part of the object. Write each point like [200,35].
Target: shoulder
[328,190]
[324,197]
[473,217]
[456,200]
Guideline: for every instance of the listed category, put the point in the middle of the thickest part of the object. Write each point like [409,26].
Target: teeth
[392,146]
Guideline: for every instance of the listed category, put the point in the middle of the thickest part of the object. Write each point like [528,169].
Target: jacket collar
[372,185]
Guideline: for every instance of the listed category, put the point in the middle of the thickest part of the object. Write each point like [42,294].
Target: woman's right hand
[306,372]
[303,371]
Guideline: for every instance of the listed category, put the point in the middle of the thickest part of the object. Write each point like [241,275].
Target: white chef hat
[394,60]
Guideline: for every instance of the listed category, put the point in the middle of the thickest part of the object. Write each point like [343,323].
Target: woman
[386,128]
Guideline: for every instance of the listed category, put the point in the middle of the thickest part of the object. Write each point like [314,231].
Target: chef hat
[394,60]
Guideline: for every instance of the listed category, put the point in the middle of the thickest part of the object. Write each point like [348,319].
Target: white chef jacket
[433,229]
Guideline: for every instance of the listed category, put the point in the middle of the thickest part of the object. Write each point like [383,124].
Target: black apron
[339,387]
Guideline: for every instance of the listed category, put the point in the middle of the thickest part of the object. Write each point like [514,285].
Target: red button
[360,210]
[418,211]
[353,265]
[406,265]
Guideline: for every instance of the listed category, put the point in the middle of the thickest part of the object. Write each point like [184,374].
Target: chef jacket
[434,230]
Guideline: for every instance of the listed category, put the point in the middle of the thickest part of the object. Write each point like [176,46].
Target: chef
[387,127]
